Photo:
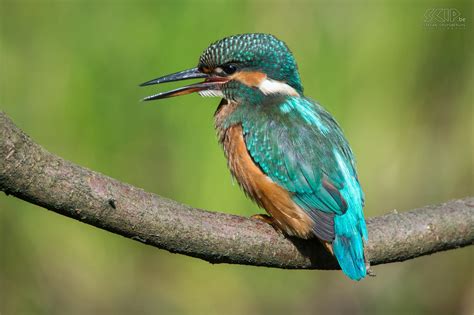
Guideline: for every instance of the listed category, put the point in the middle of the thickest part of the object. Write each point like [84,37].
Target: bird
[288,153]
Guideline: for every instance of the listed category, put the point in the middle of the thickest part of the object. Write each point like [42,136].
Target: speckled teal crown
[254,52]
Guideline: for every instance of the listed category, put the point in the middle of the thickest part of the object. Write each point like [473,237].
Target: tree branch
[29,172]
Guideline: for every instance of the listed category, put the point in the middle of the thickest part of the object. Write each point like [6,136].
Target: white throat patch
[211,93]
[269,86]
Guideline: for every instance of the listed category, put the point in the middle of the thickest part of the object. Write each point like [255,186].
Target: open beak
[211,83]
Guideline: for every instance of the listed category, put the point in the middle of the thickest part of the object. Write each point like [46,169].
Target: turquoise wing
[301,147]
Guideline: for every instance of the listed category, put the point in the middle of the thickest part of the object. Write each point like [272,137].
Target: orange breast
[287,215]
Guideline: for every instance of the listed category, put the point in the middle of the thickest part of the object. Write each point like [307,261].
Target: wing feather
[296,148]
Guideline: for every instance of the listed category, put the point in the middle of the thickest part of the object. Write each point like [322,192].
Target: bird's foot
[263,217]
[267,219]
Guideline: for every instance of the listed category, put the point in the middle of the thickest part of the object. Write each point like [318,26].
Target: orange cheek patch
[250,78]
[206,70]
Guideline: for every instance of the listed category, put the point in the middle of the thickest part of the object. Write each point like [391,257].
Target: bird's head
[239,67]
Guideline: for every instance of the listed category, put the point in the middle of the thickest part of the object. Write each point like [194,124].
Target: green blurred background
[69,72]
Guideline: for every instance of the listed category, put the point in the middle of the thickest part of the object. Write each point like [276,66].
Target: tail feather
[348,245]
[350,229]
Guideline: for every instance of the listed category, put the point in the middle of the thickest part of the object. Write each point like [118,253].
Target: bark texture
[29,172]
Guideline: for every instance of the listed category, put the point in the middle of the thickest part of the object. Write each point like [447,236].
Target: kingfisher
[288,154]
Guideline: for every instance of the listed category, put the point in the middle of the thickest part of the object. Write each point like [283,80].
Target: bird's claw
[266,219]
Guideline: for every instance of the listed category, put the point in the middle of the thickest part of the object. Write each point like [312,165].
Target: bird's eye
[229,69]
